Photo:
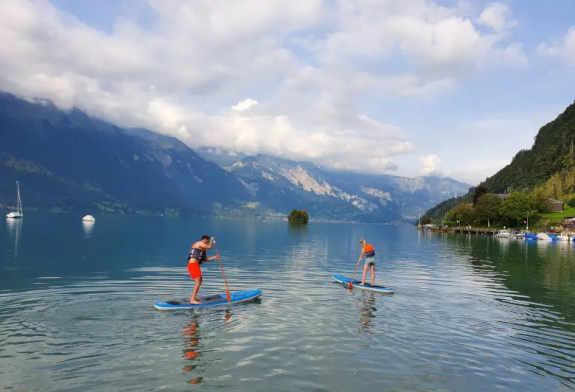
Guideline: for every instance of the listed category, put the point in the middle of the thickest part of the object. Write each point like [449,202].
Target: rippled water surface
[469,313]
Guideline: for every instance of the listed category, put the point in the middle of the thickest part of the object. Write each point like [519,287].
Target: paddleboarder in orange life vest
[369,253]
[196,257]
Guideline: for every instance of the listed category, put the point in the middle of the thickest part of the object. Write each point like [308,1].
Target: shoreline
[246,218]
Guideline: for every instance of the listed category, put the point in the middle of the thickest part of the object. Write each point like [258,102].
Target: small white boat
[543,236]
[19,213]
[518,234]
[503,233]
[88,218]
[563,237]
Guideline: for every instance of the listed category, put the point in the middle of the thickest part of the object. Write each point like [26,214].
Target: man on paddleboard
[195,258]
[369,253]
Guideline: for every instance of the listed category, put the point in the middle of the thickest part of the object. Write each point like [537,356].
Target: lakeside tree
[464,213]
[479,191]
[298,216]
[517,207]
[539,200]
[488,207]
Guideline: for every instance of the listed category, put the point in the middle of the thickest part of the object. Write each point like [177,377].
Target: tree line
[517,209]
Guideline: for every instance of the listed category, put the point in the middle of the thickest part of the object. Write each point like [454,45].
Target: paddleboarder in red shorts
[195,258]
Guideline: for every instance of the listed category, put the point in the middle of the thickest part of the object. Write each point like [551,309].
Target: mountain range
[67,160]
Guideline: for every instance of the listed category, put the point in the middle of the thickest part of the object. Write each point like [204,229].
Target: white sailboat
[19,213]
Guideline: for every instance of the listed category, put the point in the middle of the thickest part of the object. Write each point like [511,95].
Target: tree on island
[488,207]
[298,216]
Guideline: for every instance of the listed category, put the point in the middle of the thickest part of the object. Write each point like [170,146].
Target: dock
[460,230]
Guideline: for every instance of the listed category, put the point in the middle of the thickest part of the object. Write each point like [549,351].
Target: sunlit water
[469,313]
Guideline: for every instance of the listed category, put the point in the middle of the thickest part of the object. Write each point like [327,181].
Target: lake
[469,313]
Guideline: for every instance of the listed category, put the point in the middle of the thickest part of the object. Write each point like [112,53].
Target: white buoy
[89,218]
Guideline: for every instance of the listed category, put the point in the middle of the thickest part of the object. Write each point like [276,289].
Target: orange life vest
[369,251]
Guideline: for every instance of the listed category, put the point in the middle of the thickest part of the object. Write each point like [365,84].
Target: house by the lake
[556,205]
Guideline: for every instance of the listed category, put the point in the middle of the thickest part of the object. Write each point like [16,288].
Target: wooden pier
[459,230]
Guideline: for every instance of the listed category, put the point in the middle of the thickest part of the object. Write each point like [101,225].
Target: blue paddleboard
[210,300]
[356,283]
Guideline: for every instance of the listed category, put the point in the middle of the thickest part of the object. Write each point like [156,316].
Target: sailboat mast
[19,206]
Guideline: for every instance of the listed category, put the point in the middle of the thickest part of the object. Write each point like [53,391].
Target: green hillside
[552,152]
[548,165]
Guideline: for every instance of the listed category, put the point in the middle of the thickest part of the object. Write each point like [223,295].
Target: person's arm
[209,246]
[360,256]
[212,258]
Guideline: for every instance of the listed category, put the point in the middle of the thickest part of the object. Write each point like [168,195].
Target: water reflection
[88,227]
[297,229]
[14,230]
[192,345]
[530,283]
[367,313]
[195,344]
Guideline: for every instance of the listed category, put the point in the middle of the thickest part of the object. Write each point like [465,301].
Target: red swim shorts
[194,270]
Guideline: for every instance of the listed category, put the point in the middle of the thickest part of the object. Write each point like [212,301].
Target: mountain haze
[66,160]
[367,193]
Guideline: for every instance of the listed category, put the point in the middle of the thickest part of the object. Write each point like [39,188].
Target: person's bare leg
[194,300]
[364,274]
[372,270]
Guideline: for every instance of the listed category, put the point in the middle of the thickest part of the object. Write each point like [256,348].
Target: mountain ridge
[67,160]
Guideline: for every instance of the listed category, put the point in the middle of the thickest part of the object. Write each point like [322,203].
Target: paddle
[223,274]
[351,281]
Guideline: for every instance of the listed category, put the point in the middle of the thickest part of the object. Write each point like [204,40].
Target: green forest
[546,171]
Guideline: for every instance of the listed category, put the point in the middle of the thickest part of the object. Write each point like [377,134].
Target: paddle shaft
[223,274]
[351,281]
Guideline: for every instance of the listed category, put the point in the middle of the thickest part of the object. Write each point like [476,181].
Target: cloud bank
[307,66]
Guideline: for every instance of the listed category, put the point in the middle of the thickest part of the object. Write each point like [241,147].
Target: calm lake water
[470,313]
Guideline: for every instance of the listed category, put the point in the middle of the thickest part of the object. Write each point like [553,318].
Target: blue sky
[408,88]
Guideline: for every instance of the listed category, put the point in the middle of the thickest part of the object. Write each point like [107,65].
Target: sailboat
[18,213]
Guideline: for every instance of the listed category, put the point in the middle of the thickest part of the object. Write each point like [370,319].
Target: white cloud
[245,105]
[430,165]
[308,64]
[498,17]
[564,48]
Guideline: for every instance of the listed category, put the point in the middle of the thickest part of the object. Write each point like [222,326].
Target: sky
[411,87]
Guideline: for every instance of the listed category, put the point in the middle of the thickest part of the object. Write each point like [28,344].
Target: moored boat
[19,213]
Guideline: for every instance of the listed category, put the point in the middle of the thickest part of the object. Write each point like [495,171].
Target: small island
[298,217]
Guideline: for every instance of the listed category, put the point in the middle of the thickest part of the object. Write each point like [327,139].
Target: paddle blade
[352,278]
